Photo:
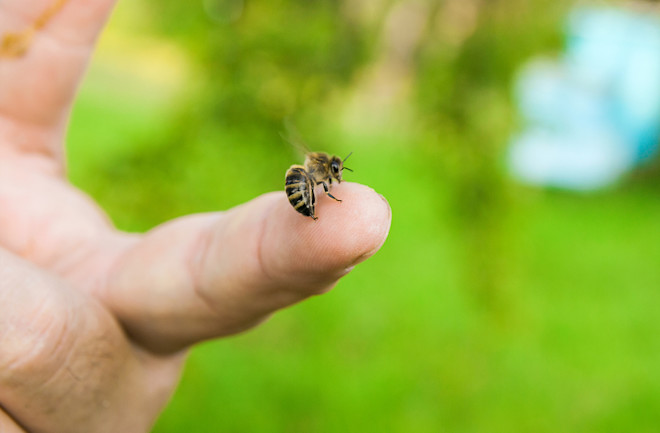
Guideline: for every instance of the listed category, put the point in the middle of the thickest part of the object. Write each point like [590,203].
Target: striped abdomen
[299,188]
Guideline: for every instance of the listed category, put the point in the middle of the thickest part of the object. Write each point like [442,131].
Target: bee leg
[327,191]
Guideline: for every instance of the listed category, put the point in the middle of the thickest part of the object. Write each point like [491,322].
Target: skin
[95,322]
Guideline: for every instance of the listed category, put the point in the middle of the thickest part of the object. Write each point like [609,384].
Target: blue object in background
[594,114]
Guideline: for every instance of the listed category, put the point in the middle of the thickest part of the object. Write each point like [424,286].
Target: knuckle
[33,344]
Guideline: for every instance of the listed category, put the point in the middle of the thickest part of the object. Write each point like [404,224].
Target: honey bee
[300,180]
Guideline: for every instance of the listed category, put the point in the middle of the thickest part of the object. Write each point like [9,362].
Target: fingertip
[345,233]
[359,226]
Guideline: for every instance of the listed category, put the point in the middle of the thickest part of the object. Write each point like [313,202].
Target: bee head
[336,167]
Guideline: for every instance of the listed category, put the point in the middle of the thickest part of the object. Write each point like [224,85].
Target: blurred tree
[263,61]
[465,63]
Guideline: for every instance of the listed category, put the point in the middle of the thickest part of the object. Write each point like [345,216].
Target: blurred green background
[491,308]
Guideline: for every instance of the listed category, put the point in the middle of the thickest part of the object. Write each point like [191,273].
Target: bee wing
[291,136]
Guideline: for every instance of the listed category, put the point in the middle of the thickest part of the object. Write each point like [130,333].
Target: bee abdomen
[299,189]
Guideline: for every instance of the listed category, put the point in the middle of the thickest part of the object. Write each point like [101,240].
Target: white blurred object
[594,114]
[583,160]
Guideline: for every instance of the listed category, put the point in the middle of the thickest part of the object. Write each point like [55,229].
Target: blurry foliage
[264,60]
[463,98]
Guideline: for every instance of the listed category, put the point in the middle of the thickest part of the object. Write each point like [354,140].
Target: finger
[68,22]
[39,83]
[211,275]
[63,357]
[8,425]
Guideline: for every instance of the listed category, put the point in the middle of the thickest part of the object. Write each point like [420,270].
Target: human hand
[94,322]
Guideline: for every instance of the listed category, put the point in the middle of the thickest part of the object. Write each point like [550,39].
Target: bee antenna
[346,168]
[347,158]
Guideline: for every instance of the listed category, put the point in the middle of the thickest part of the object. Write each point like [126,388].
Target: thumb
[63,357]
[210,275]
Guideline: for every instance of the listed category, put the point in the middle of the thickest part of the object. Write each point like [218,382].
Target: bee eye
[335,167]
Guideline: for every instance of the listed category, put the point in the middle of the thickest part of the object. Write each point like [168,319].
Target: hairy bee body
[319,168]
[299,189]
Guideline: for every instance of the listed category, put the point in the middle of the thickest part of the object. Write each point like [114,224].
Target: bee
[300,180]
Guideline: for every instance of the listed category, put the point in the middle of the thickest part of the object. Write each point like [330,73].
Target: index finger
[45,46]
